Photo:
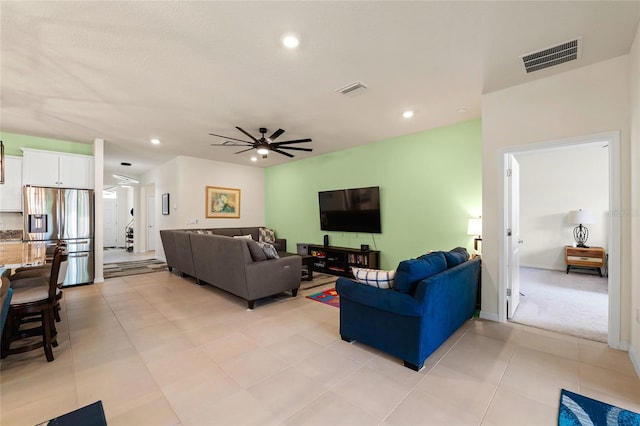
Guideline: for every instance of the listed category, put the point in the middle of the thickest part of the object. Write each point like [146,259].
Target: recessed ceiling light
[254,158]
[290,41]
[407,114]
[155,141]
[461,110]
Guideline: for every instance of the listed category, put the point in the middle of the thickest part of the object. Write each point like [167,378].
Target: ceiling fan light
[263,151]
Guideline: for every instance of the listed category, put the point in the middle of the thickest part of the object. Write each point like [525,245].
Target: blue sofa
[432,297]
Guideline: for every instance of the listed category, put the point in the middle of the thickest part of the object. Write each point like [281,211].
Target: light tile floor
[158,349]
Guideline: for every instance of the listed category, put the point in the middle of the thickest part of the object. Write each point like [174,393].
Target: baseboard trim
[489,316]
[635,359]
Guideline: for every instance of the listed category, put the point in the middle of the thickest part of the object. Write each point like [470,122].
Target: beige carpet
[576,304]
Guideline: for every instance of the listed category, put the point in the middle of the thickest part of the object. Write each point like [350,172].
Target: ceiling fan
[263,145]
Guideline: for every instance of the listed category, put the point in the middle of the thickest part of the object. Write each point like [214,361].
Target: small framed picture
[165,204]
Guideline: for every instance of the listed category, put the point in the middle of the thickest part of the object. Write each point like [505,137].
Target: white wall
[635,198]
[553,182]
[186,179]
[585,101]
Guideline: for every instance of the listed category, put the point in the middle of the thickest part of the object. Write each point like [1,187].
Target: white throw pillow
[267,235]
[248,236]
[374,277]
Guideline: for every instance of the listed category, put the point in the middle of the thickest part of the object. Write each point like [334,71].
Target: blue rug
[578,410]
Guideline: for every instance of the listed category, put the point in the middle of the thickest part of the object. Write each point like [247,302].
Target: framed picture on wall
[165,204]
[222,202]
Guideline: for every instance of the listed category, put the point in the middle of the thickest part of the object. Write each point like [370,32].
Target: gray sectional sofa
[214,257]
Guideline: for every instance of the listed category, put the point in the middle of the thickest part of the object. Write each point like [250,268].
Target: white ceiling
[130,71]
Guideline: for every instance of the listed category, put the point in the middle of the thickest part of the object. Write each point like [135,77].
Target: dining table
[16,254]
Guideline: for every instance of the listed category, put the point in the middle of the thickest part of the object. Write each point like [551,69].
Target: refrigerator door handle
[61,218]
[78,254]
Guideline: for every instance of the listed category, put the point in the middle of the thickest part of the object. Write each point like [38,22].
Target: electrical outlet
[1,225]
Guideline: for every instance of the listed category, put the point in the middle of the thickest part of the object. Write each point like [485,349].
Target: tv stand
[339,260]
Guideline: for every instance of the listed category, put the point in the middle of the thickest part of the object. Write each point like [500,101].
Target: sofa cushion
[257,254]
[411,271]
[374,277]
[456,256]
[267,236]
[269,250]
[228,232]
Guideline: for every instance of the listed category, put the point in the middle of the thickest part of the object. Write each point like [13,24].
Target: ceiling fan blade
[243,131]
[293,148]
[244,150]
[276,134]
[290,142]
[227,137]
[229,143]
[282,152]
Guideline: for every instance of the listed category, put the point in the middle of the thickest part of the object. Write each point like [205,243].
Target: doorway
[542,242]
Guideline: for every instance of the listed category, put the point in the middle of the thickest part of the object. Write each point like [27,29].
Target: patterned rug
[329,297]
[578,410]
[122,269]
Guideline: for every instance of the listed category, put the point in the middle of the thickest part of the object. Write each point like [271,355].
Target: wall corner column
[98,232]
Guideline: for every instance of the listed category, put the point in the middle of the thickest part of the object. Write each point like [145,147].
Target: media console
[339,260]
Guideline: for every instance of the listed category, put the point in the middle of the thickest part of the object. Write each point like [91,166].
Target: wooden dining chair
[35,303]
[23,277]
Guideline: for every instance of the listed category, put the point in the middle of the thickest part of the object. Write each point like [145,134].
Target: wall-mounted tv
[350,210]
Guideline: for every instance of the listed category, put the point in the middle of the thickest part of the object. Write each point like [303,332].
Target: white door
[110,222]
[513,236]
[151,227]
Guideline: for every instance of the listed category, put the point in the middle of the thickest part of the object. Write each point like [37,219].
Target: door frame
[613,139]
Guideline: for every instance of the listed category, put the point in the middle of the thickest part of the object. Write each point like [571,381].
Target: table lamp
[474,227]
[580,232]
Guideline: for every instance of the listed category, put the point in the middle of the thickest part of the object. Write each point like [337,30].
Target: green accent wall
[13,142]
[430,184]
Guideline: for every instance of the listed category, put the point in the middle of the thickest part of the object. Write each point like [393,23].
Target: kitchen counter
[15,254]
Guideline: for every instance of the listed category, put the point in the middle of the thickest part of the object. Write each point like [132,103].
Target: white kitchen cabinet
[56,169]
[11,190]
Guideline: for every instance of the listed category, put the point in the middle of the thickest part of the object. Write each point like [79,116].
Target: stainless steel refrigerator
[54,214]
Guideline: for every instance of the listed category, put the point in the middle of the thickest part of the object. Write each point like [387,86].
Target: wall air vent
[353,89]
[551,56]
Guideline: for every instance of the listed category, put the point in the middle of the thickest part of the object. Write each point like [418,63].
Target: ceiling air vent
[353,89]
[551,56]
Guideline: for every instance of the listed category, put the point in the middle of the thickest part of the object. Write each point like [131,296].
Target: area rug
[578,410]
[135,267]
[329,297]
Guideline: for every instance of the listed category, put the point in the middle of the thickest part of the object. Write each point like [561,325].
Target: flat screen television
[350,210]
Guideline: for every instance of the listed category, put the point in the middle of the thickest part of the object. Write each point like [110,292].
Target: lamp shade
[581,217]
[475,226]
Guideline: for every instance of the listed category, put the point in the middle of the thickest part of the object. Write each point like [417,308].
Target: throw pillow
[267,235]
[246,237]
[374,277]
[456,256]
[411,271]
[200,231]
[269,250]
[257,254]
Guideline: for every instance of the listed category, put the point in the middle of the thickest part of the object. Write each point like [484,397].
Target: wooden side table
[584,257]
